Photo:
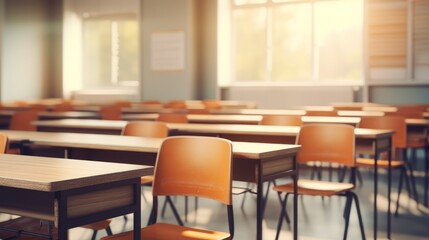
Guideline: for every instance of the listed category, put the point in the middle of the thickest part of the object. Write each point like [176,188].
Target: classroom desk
[368,141]
[241,119]
[132,110]
[258,112]
[252,162]
[70,193]
[360,113]
[6,115]
[201,118]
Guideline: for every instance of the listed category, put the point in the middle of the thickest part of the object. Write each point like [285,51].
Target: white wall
[25,50]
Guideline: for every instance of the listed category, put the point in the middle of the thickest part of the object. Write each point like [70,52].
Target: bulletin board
[168,51]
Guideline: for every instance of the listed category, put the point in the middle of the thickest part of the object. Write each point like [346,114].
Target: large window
[110,51]
[297,41]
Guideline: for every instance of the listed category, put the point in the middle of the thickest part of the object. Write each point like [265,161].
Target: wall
[25,50]
[206,25]
[168,15]
[399,94]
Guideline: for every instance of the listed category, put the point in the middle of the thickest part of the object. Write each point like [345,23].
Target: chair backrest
[4,142]
[123,103]
[198,111]
[212,104]
[146,129]
[175,104]
[333,143]
[397,123]
[172,118]
[38,107]
[320,113]
[283,120]
[21,120]
[194,166]
[111,113]
[63,107]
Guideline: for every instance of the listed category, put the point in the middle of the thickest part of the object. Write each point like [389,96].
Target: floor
[319,218]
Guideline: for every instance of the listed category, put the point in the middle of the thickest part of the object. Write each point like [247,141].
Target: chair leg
[347,214]
[362,230]
[109,231]
[413,182]
[173,208]
[244,196]
[282,213]
[94,235]
[401,178]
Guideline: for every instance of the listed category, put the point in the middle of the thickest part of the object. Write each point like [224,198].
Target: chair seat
[101,225]
[318,188]
[146,180]
[163,231]
[369,162]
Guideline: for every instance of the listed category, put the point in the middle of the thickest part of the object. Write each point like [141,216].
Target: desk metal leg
[389,185]
[137,211]
[375,190]
[61,199]
[259,203]
[426,175]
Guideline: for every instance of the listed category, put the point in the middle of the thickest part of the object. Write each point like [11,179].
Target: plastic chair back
[397,123]
[282,120]
[172,118]
[146,129]
[21,120]
[194,166]
[333,143]
[111,113]
[4,142]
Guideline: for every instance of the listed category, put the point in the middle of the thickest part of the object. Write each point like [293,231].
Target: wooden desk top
[56,174]
[201,118]
[56,115]
[201,128]
[360,113]
[137,144]
[328,119]
[258,112]
[83,123]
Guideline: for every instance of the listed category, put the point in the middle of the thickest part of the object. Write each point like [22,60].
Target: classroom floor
[318,218]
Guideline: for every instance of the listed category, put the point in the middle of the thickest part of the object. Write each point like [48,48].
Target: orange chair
[172,118]
[399,145]
[146,129]
[111,113]
[282,120]
[63,107]
[175,104]
[331,143]
[279,120]
[21,120]
[321,113]
[190,153]
[123,103]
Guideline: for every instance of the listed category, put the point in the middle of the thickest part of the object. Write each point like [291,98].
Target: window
[110,51]
[297,41]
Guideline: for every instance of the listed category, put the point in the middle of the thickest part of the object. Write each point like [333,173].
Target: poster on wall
[168,51]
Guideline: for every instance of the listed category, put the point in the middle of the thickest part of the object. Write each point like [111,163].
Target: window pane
[250,44]
[338,47]
[128,50]
[242,2]
[96,52]
[291,54]
[110,52]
